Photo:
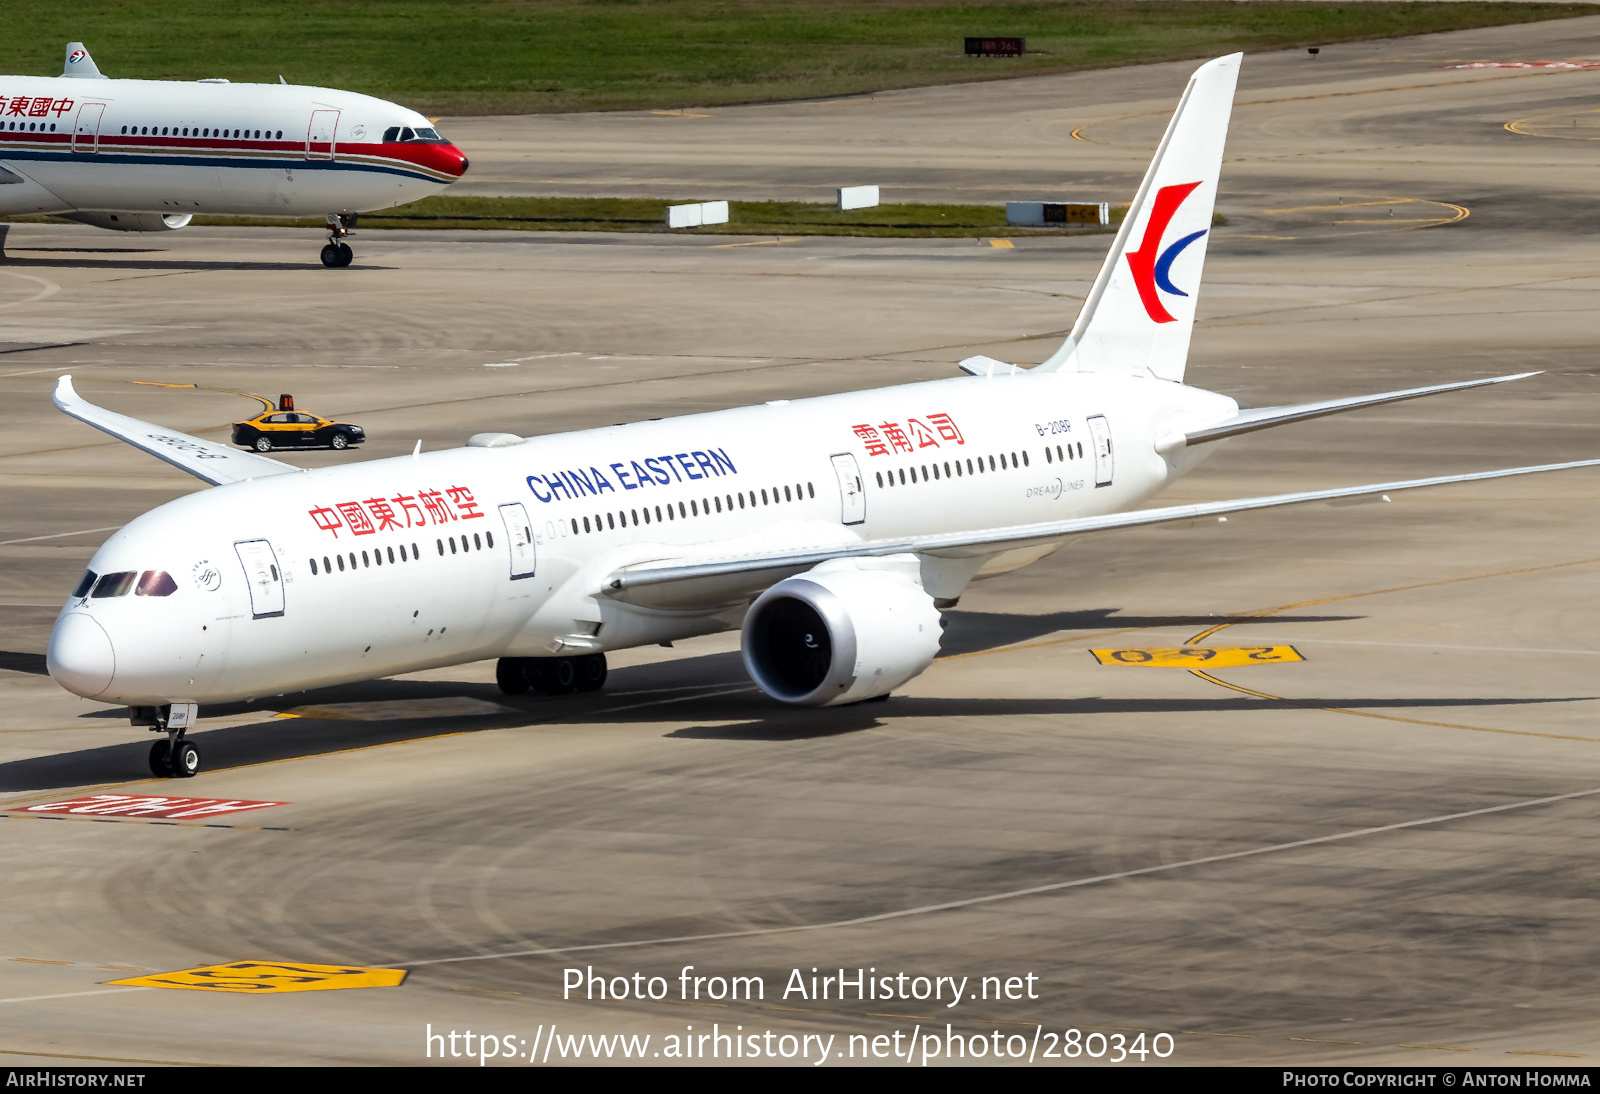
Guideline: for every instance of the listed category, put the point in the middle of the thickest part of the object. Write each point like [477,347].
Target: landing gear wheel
[339,441]
[554,675]
[346,255]
[159,767]
[263,444]
[331,256]
[591,671]
[185,760]
[512,676]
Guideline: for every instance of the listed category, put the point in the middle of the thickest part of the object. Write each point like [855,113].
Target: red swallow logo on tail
[1152,266]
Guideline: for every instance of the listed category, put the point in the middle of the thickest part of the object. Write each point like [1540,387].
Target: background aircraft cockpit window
[116,584]
[85,585]
[156,583]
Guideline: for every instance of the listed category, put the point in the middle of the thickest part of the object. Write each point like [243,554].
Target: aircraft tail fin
[1140,312]
[80,64]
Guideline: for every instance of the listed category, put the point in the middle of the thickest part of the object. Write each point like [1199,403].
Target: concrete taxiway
[1379,854]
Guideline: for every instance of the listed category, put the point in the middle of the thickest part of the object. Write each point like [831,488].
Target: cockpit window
[156,583]
[396,133]
[117,584]
[85,585]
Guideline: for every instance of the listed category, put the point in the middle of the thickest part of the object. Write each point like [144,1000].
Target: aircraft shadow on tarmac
[709,688]
[170,265]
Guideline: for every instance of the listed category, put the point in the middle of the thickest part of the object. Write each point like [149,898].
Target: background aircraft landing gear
[336,252]
[551,675]
[174,757]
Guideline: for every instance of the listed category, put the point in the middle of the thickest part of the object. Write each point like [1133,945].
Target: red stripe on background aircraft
[834,552]
[148,155]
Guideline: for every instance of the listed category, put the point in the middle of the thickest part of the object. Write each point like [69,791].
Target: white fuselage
[175,149]
[301,580]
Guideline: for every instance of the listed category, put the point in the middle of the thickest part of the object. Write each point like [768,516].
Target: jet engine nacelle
[839,634]
[134,222]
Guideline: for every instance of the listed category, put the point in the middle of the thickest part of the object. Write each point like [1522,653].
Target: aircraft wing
[1249,421]
[206,460]
[992,540]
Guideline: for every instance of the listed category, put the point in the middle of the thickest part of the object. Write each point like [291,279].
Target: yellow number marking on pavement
[263,977]
[1189,657]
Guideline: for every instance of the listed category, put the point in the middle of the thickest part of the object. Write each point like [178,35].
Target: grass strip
[535,56]
[766,218]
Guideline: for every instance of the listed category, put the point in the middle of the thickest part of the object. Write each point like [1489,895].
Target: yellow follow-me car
[285,427]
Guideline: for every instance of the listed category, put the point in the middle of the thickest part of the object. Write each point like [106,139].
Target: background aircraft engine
[133,222]
[842,635]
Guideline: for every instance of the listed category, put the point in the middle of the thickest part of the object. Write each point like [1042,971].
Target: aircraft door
[86,130]
[519,537]
[1100,435]
[852,496]
[319,135]
[262,575]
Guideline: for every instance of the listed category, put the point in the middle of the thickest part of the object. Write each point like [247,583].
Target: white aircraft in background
[833,530]
[148,155]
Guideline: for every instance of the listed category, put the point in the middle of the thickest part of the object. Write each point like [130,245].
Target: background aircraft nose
[80,656]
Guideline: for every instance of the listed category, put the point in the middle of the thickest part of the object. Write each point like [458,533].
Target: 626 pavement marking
[1191,657]
[267,977]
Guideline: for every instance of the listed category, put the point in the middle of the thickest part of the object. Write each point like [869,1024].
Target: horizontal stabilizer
[206,460]
[1266,417]
[994,540]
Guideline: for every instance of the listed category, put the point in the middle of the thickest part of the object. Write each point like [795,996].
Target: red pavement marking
[131,805]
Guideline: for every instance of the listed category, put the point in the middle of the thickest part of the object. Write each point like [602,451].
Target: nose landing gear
[551,675]
[336,252]
[174,757]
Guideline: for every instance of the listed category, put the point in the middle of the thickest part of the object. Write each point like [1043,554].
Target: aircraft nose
[80,657]
[460,168]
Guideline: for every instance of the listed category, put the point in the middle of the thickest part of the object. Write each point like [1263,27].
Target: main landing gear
[336,252]
[174,757]
[551,675]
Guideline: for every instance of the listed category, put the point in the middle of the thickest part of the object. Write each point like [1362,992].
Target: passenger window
[116,584]
[880,480]
[453,538]
[718,503]
[352,560]
[786,496]
[764,496]
[936,471]
[85,585]
[1080,450]
[365,561]
[647,514]
[810,493]
[741,501]
[1025,462]
[414,552]
[477,543]
[991,463]
[313,567]
[658,514]
[489,539]
[694,507]
[439,543]
[969,465]
[377,556]
[585,524]
[635,517]
[1047,454]
[391,555]
[341,562]
[326,567]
